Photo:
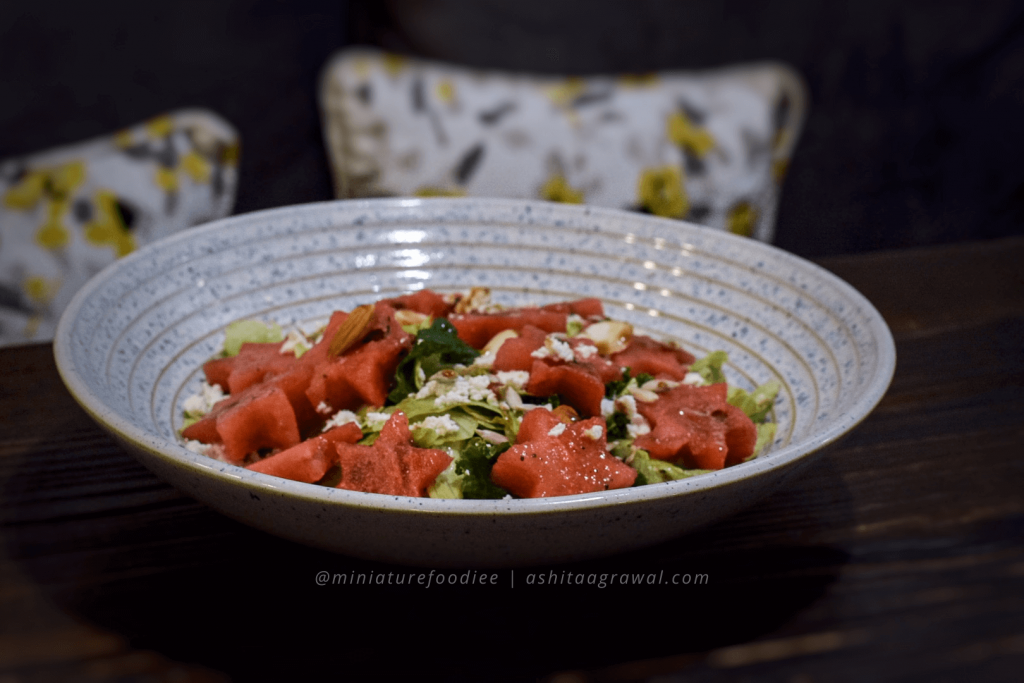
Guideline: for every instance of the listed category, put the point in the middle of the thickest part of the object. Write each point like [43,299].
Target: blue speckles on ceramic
[131,345]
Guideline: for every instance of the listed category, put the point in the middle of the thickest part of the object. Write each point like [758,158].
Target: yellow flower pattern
[52,234]
[557,189]
[40,290]
[683,132]
[108,228]
[661,191]
[54,186]
[742,219]
[433,191]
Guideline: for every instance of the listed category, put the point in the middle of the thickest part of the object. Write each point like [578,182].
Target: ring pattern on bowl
[131,347]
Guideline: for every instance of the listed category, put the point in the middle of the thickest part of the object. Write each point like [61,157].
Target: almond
[352,330]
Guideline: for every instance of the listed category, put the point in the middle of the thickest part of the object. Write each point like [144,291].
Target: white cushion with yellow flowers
[67,213]
[710,147]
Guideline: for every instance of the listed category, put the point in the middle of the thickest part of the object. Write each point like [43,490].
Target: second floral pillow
[709,147]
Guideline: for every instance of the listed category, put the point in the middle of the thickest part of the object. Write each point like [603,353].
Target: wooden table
[897,554]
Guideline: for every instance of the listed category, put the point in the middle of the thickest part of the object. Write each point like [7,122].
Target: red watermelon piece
[255,362]
[695,426]
[424,301]
[586,354]
[363,374]
[514,353]
[259,417]
[585,308]
[476,329]
[543,464]
[310,460]
[392,465]
[575,384]
[650,356]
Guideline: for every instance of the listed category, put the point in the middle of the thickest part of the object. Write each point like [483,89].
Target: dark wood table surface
[897,554]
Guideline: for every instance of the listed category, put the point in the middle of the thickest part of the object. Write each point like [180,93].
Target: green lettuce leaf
[437,347]
[765,436]
[251,332]
[710,367]
[654,471]
[755,404]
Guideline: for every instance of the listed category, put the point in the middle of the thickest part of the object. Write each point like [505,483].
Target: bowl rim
[174,454]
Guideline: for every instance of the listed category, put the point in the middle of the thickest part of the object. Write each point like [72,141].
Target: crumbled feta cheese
[440,424]
[461,390]
[513,378]
[486,359]
[376,420]
[342,417]
[585,351]
[554,348]
[197,446]
[640,428]
[324,408]
[594,432]
[607,407]
[296,343]
[200,404]
[557,430]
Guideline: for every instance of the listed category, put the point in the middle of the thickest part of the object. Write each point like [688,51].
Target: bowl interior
[131,345]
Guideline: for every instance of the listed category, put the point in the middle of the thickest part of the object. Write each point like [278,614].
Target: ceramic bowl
[131,344]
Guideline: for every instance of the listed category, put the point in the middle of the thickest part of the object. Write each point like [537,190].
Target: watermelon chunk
[650,356]
[259,417]
[551,458]
[476,329]
[585,308]
[255,362]
[424,301]
[392,465]
[695,426]
[310,460]
[362,374]
[514,353]
[576,384]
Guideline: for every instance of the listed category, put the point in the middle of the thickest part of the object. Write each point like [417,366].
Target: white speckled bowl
[130,347]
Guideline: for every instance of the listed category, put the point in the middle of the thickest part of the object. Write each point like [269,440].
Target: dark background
[914,134]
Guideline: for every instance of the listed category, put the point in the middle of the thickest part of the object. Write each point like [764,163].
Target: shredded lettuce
[765,435]
[437,347]
[710,367]
[757,403]
[653,471]
[250,332]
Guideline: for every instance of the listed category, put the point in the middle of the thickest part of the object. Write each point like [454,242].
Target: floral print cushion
[67,213]
[710,147]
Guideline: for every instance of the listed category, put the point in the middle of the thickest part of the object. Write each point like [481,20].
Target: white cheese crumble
[197,446]
[554,348]
[461,390]
[640,428]
[513,378]
[296,343]
[486,359]
[324,408]
[440,424]
[693,378]
[594,432]
[557,430]
[342,417]
[200,404]
[376,420]
[585,351]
